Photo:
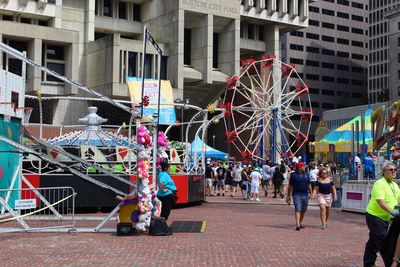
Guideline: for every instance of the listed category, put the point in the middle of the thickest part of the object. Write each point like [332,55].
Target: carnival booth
[198,146]
[343,143]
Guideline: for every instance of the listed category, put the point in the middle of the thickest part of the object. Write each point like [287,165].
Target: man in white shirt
[237,177]
[255,177]
[314,172]
[357,159]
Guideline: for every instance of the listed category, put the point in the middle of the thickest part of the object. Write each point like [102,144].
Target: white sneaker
[251,198]
[257,199]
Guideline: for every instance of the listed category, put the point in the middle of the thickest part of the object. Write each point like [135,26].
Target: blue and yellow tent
[341,137]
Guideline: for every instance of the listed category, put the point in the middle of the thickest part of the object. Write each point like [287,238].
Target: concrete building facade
[99,42]
[331,54]
[382,83]
[393,17]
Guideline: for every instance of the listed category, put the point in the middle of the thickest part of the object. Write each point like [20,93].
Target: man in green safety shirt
[385,196]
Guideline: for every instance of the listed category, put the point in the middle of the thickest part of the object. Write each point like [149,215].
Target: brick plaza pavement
[238,233]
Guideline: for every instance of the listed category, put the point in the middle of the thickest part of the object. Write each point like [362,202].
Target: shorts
[324,199]
[208,182]
[221,182]
[235,183]
[228,181]
[254,188]
[300,203]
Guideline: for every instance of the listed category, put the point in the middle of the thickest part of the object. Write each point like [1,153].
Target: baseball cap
[300,164]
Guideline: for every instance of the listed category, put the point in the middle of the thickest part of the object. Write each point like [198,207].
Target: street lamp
[213,137]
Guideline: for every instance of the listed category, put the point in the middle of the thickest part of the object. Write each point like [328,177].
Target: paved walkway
[238,233]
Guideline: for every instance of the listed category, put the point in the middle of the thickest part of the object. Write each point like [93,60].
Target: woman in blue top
[165,187]
[326,193]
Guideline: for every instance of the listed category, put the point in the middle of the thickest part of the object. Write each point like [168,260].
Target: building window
[132,59]
[327,65]
[357,18]
[215,49]
[328,52]
[314,91]
[54,59]
[357,31]
[297,33]
[15,99]
[328,12]
[357,69]
[342,93]
[342,54]
[342,41]
[313,77]
[342,28]
[187,47]
[136,12]
[343,15]
[312,63]
[357,43]
[328,92]
[357,82]
[298,61]
[313,22]
[328,25]
[122,10]
[343,80]
[329,79]
[312,36]
[328,38]
[250,31]
[261,33]
[148,62]
[107,8]
[296,47]
[312,49]
[313,9]
[357,5]
[343,2]
[357,56]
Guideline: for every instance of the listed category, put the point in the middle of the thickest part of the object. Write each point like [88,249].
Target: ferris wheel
[267,109]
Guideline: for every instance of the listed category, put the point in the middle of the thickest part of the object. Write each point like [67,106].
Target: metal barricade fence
[37,209]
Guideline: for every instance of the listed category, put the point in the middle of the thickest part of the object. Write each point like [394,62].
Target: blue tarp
[196,147]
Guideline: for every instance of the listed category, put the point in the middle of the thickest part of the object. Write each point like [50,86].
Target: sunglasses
[392,170]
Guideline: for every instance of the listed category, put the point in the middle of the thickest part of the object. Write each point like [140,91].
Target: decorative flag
[92,153]
[123,154]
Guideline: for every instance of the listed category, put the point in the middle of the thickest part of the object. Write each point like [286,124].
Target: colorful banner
[9,160]
[167,110]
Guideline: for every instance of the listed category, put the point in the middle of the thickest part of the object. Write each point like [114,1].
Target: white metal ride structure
[268,110]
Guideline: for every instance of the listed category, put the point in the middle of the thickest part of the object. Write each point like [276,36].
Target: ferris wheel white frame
[268,107]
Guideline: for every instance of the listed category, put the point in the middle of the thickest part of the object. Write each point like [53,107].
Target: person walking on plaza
[165,187]
[278,179]
[228,177]
[255,177]
[266,177]
[300,188]
[314,171]
[221,172]
[325,190]
[209,174]
[385,196]
[237,177]
[245,183]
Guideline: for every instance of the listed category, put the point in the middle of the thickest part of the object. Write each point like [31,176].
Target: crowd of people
[296,180]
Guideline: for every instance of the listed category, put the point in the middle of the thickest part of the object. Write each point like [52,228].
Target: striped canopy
[341,137]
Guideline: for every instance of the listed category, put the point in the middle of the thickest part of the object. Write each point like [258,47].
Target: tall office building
[378,71]
[331,54]
[393,19]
